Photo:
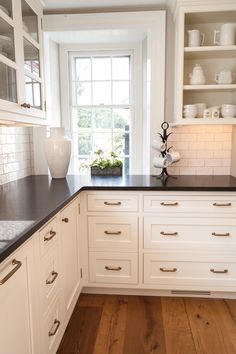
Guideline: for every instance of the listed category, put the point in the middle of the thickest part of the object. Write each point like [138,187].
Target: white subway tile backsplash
[204,149]
[15,153]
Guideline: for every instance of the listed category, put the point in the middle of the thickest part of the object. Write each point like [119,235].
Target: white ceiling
[85,4]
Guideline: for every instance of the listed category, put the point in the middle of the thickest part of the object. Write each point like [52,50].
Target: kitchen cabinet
[21,62]
[18,320]
[70,257]
[205,16]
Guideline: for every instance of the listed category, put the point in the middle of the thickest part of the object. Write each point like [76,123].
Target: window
[101,105]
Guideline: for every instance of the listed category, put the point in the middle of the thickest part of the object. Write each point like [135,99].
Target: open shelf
[209,52]
[210,88]
[207,121]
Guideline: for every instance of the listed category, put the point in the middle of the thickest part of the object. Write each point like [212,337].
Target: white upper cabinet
[21,62]
[206,41]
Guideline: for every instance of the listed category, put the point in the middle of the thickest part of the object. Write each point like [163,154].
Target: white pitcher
[226,35]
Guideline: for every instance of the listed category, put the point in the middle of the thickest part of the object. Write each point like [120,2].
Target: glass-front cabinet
[21,62]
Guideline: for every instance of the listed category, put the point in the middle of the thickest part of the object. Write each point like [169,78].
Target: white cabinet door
[16,317]
[70,261]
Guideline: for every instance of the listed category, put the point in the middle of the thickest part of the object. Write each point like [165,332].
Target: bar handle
[169,203]
[168,270]
[112,203]
[218,234]
[17,265]
[219,271]
[222,204]
[52,234]
[113,268]
[112,232]
[169,233]
[52,332]
[54,277]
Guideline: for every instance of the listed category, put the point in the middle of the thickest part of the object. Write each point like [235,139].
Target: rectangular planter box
[111,171]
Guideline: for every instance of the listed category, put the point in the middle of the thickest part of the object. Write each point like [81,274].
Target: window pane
[101,68]
[102,141]
[33,92]
[127,166]
[85,144]
[6,6]
[83,69]
[121,143]
[30,20]
[83,93]
[121,92]
[101,93]
[31,56]
[120,68]
[83,165]
[7,83]
[84,118]
[121,119]
[7,47]
[103,119]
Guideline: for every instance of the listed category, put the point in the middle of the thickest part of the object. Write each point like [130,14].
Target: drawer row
[116,268]
[122,232]
[172,202]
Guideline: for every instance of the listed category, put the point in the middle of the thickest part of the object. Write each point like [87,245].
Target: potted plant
[103,166]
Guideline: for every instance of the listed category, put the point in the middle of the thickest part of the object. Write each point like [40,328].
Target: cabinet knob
[25,105]
[66,220]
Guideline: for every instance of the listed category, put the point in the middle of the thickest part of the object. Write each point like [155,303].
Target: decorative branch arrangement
[166,156]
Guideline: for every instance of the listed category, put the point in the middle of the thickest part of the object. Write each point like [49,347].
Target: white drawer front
[112,202]
[49,236]
[171,272]
[52,328]
[50,278]
[120,268]
[183,232]
[113,232]
[177,203]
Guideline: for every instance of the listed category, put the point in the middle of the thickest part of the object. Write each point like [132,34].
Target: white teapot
[224,77]
[197,76]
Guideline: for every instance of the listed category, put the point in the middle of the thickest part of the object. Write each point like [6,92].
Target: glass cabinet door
[8,88]
[32,64]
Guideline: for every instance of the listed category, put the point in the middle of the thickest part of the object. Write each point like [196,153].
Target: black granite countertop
[28,203]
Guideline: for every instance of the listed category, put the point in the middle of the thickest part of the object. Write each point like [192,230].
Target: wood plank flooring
[116,324]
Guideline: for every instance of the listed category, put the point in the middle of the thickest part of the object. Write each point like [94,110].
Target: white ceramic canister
[58,152]
[197,76]
[224,77]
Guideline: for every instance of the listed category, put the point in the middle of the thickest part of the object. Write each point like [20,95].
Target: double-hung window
[101,105]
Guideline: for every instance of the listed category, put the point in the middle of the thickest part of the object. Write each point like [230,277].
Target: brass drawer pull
[169,233]
[54,277]
[114,203]
[66,220]
[52,234]
[52,332]
[112,232]
[216,234]
[169,204]
[168,270]
[219,271]
[17,265]
[113,268]
[222,204]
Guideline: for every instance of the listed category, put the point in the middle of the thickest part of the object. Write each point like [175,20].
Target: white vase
[58,152]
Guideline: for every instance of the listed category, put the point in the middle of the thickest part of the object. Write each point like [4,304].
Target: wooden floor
[107,324]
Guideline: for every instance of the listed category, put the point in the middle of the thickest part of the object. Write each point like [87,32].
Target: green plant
[106,162]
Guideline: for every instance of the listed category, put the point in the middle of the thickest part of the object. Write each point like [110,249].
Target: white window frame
[133,49]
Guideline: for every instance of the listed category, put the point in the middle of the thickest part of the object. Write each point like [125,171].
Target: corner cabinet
[21,62]
[205,16]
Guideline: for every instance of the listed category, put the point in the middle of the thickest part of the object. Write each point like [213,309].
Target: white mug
[158,145]
[200,109]
[195,38]
[160,162]
[172,156]
[228,110]
[226,34]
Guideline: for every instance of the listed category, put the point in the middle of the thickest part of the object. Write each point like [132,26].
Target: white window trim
[155,24]
[134,49]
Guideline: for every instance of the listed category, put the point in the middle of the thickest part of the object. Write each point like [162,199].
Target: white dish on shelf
[4,10]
